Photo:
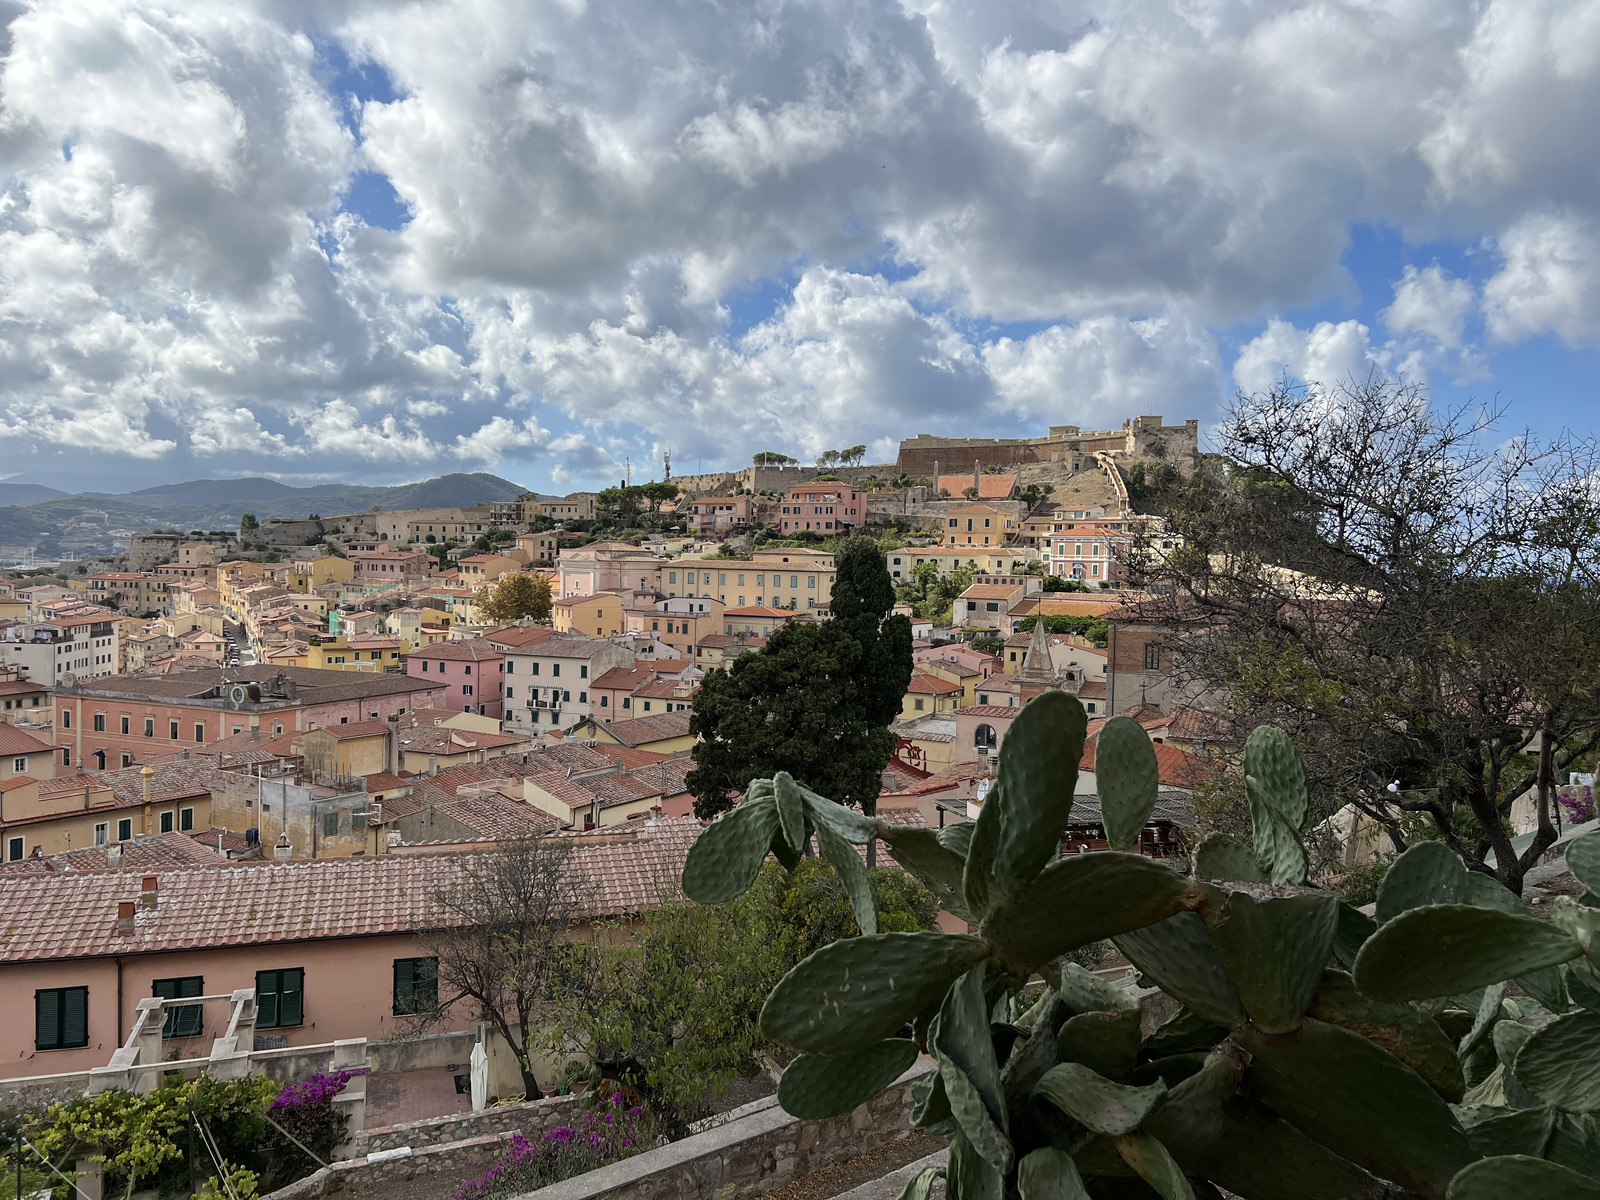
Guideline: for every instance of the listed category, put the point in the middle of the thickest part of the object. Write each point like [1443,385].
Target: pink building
[721,512]
[825,507]
[92,942]
[471,672]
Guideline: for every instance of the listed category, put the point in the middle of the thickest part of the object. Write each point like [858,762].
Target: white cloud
[1549,283]
[1327,353]
[591,187]
[1431,303]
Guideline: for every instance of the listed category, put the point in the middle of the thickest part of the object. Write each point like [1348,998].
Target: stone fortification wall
[1140,437]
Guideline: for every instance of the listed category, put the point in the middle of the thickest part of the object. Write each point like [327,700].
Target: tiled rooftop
[74,915]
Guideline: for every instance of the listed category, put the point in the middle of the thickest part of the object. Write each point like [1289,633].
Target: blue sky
[391,241]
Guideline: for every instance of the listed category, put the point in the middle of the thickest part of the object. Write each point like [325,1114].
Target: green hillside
[84,523]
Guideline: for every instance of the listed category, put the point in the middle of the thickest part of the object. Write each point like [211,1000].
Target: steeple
[1037,674]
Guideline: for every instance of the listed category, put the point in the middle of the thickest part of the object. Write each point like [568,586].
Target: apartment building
[780,578]
[82,642]
[827,508]
[549,683]
[468,674]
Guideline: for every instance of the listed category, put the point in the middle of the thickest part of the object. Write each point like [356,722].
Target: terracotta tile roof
[562,787]
[1194,724]
[12,687]
[441,739]
[74,915]
[382,781]
[572,647]
[355,729]
[16,781]
[20,741]
[992,591]
[177,779]
[469,650]
[631,758]
[242,746]
[561,755]
[642,731]
[1092,689]
[1174,767]
[517,637]
[1058,604]
[663,689]
[495,816]
[624,678]
[722,641]
[931,685]
[152,852]
[992,711]
[758,610]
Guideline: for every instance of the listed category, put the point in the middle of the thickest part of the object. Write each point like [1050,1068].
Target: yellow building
[664,733]
[964,677]
[599,615]
[313,572]
[928,694]
[361,748]
[100,808]
[359,653]
[1002,560]
[977,525]
[783,578]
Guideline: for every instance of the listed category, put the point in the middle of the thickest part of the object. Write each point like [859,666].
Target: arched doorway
[984,739]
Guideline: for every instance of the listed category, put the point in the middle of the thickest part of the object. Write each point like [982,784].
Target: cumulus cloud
[1549,283]
[962,217]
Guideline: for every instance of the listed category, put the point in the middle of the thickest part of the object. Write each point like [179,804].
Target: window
[102,834]
[555,670]
[185,819]
[917,704]
[14,849]
[199,731]
[466,689]
[166,821]
[19,765]
[127,759]
[535,670]
[99,722]
[124,829]
[150,727]
[605,701]
[992,606]
[280,998]
[172,730]
[627,702]
[583,697]
[583,668]
[60,1018]
[66,718]
[183,1021]
[1152,657]
[330,824]
[469,669]
[124,725]
[416,986]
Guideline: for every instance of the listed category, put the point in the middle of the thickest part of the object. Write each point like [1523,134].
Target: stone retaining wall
[758,1151]
[531,1117]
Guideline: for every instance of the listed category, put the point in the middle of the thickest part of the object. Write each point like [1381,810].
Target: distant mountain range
[54,522]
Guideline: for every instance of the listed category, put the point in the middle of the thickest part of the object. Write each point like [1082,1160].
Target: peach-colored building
[89,944]
[712,513]
[607,567]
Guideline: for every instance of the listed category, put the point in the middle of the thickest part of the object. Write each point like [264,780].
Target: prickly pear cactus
[1448,1049]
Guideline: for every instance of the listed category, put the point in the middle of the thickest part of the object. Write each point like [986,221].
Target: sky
[376,242]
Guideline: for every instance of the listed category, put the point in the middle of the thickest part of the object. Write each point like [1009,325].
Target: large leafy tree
[516,597]
[1414,602]
[817,701]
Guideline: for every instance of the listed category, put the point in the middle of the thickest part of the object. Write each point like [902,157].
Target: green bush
[1316,1053]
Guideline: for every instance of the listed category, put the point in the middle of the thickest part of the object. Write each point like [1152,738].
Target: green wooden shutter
[291,1005]
[266,999]
[47,1019]
[75,1016]
[404,987]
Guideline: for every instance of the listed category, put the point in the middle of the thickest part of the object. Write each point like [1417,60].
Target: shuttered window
[61,1018]
[280,998]
[416,986]
[181,1022]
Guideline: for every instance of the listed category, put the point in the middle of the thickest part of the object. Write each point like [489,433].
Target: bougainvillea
[613,1130]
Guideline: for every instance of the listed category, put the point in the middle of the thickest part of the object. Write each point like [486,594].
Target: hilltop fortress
[1139,437]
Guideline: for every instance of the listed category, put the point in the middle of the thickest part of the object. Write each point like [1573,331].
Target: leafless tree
[508,915]
[1411,597]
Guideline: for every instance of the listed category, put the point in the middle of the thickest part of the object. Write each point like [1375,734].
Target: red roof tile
[19,741]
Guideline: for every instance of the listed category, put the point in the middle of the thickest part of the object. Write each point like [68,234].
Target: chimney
[125,916]
[113,854]
[149,885]
[433,766]
[283,850]
[147,773]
